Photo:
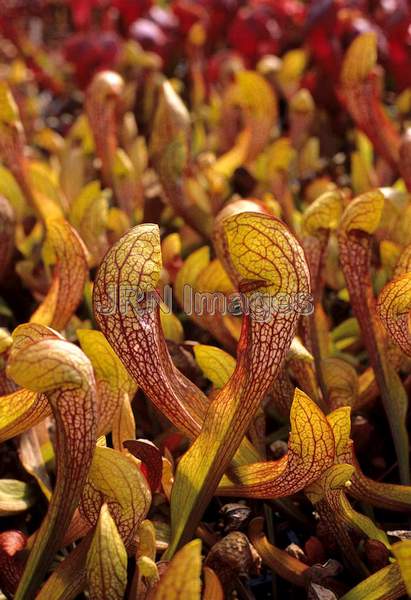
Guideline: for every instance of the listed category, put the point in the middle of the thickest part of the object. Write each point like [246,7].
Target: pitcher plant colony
[205,296]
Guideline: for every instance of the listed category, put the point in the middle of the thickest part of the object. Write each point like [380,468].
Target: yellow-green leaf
[216,365]
[113,381]
[182,581]
[360,58]
[21,410]
[15,496]
[385,584]
[402,552]
[171,325]
[187,276]
[115,478]
[106,560]
[254,95]
[10,189]
[89,215]
[45,190]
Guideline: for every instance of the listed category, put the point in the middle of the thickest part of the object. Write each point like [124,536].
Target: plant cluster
[252,155]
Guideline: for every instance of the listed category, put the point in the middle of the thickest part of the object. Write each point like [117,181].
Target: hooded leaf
[264,257]
[170,147]
[44,362]
[360,220]
[69,277]
[126,308]
[320,218]
[255,97]
[394,305]
[101,102]
[361,92]
[122,298]
[115,481]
